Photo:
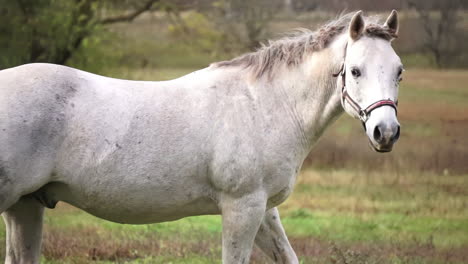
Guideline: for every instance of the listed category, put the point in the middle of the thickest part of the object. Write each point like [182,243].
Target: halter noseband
[346,98]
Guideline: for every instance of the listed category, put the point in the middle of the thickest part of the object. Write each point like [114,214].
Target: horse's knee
[23,222]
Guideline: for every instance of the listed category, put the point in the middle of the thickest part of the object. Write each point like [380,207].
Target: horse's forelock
[378,31]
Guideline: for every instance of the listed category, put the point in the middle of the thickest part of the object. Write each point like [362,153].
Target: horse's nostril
[397,134]
[377,134]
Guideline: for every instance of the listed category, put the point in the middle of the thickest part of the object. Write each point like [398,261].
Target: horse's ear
[356,26]
[392,21]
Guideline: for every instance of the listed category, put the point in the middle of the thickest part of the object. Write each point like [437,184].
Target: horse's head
[369,79]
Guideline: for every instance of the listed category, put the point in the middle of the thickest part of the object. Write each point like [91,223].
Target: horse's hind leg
[23,223]
[272,240]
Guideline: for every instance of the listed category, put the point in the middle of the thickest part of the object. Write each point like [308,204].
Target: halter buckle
[363,116]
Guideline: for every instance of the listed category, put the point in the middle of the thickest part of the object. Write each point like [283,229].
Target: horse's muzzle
[384,135]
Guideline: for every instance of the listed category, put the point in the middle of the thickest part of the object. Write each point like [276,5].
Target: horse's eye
[355,72]
[400,71]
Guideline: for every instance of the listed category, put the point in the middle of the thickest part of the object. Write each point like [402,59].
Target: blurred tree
[440,20]
[305,5]
[196,30]
[247,19]
[288,6]
[53,30]
[239,24]
[349,5]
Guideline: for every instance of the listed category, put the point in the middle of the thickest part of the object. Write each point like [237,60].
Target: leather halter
[346,98]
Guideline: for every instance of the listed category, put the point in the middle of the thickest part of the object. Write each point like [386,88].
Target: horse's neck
[311,92]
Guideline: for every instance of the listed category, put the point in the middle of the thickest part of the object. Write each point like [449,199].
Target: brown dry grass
[83,246]
[370,193]
[87,244]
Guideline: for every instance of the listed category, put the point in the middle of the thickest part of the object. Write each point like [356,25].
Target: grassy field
[350,204]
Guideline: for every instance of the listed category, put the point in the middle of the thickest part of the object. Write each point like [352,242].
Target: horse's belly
[150,204]
[151,213]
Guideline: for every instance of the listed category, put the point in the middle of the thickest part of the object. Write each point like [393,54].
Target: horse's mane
[291,49]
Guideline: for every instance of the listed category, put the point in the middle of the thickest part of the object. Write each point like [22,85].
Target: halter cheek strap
[346,98]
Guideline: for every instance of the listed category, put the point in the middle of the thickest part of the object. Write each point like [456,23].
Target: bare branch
[439,22]
[129,17]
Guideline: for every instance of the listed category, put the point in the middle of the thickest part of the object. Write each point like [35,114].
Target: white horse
[228,139]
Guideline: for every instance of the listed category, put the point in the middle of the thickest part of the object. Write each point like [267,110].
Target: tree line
[54,30]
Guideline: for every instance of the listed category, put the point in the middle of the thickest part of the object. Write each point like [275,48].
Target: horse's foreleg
[23,223]
[241,220]
[272,240]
